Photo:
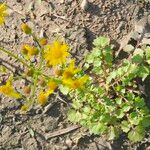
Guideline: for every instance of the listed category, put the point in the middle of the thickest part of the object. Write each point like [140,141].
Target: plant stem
[36,40]
[36,75]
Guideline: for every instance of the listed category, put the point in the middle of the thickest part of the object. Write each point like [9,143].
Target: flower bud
[29,50]
[34,51]
[43,41]
[25,28]
[24,50]
[27,90]
[42,82]
[29,72]
[58,72]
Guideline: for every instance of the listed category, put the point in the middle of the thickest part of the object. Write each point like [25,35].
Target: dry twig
[61,131]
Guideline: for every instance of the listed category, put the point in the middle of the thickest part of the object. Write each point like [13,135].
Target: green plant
[108,101]
[111,102]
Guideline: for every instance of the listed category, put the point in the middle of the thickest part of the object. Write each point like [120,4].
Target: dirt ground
[47,128]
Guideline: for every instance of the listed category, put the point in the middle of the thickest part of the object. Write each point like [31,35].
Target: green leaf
[97,70]
[90,58]
[130,96]
[143,72]
[138,51]
[86,66]
[106,118]
[125,126]
[137,134]
[139,102]
[145,110]
[99,90]
[85,116]
[126,107]
[120,113]
[146,122]
[76,104]
[111,76]
[101,42]
[113,133]
[108,57]
[108,101]
[84,123]
[147,52]
[96,52]
[87,109]
[134,118]
[137,59]
[123,91]
[64,90]
[98,128]
[118,101]
[97,62]
[74,116]
[118,88]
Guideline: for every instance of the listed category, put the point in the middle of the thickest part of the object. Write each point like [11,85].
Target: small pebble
[69,142]
[84,5]
[62,1]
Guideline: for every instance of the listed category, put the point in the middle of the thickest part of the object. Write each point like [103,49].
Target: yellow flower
[25,28]
[70,71]
[56,53]
[8,90]
[76,83]
[3,12]
[29,50]
[42,98]
[52,85]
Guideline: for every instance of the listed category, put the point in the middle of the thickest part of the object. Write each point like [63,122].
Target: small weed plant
[111,102]
[107,101]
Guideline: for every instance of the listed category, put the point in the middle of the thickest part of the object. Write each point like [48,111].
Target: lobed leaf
[101,42]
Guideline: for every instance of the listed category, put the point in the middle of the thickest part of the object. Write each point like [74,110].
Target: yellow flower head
[56,53]
[76,83]
[29,50]
[70,71]
[42,98]
[3,12]
[8,90]
[52,85]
